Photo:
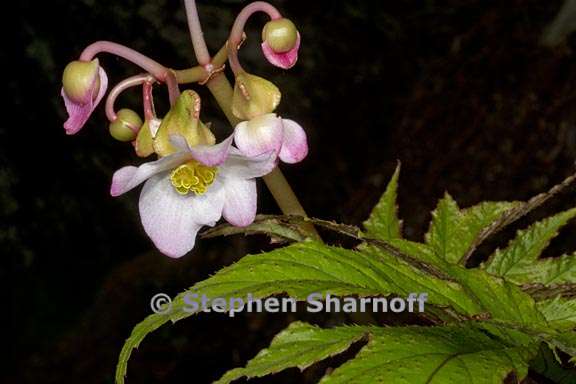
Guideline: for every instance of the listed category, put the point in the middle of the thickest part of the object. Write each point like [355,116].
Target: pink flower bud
[280,43]
[83,86]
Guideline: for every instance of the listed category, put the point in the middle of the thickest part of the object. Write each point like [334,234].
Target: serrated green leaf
[484,293]
[310,267]
[298,270]
[405,279]
[527,246]
[559,312]
[452,231]
[300,345]
[450,354]
[480,216]
[501,299]
[383,222]
[407,355]
[444,235]
[549,271]
[419,251]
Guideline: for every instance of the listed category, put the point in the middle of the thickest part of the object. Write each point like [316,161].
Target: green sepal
[254,96]
[182,119]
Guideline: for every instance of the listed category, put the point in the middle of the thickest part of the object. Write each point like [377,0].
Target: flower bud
[254,96]
[81,81]
[83,86]
[126,126]
[281,35]
[280,43]
[183,119]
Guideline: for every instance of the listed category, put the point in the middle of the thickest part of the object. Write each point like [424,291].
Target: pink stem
[156,69]
[149,112]
[238,29]
[200,49]
[121,87]
[172,84]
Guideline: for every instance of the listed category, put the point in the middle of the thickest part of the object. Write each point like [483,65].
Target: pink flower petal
[295,145]
[260,135]
[78,114]
[211,155]
[129,177]
[172,220]
[239,166]
[283,60]
[240,204]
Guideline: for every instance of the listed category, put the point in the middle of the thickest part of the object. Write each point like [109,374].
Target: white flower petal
[240,205]
[172,220]
[260,135]
[243,167]
[129,177]
[179,142]
[295,145]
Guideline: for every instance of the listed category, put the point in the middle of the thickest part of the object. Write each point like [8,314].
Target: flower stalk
[222,91]
[130,82]
[149,65]
[237,32]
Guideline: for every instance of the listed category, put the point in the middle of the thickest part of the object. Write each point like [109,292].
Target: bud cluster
[84,83]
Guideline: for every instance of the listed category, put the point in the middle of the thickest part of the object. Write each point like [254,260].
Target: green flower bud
[126,125]
[81,80]
[254,96]
[281,35]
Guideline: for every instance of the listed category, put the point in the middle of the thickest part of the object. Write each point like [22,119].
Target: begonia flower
[192,188]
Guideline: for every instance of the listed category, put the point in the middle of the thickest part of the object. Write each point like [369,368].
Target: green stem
[222,92]
[198,73]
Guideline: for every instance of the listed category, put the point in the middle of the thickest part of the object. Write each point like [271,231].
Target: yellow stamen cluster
[192,176]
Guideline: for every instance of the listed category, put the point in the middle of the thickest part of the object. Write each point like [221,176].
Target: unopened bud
[81,81]
[281,35]
[281,42]
[126,126]
[254,96]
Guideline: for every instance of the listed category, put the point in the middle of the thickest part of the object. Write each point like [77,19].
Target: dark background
[459,91]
